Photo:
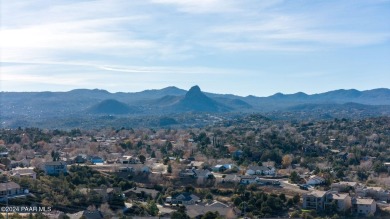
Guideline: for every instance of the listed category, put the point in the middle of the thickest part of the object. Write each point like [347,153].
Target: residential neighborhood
[168,172]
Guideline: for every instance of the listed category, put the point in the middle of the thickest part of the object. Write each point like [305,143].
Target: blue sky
[241,47]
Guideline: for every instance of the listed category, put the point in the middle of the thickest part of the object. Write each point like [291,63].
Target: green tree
[282,197]
[294,177]
[296,198]
[55,155]
[209,196]
[142,158]
[152,208]
[211,215]
[169,169]
[237,201]
[116,202]
[180,214]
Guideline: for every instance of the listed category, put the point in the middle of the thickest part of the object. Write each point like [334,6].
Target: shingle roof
[8,185]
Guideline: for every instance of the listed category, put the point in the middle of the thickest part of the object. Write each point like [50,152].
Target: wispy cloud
[124,29]
[170,39]
[202,6]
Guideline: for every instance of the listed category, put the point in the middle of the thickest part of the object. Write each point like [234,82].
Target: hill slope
[111,106]
[196,101]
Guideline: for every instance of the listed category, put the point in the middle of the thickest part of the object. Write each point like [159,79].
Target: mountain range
[26,106]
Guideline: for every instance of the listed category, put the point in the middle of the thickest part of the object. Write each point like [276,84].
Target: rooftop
[339,196]
[8,185]
[364,201]
[55,163]
[317,193]
[346,183]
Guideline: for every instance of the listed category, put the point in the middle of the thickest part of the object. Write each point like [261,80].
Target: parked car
[304,187]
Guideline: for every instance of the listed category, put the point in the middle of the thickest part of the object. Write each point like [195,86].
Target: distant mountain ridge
[15,106]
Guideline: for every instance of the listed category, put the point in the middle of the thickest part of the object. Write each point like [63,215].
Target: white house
[260,170]
[342,200]
[343,186]
[315,180]
[377,193]
[11,190]
[23,172]
[249,179]
[183,198]
[364,206]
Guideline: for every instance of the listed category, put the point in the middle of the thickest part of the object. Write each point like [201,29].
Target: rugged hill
[196,101]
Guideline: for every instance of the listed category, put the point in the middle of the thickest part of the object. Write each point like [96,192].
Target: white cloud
[202,6]
[139,31]
[186,38]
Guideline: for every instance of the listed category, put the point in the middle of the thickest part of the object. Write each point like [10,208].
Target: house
[11,190]
[195,165]
[203,174]
[231,178]
[105,193]
[377,193]
[343,186]
[315,180]
[96,160]
[139,168]
[260,170]
[387,164]
[219,168]
[4,154]
[95,214]
[183,198]
[158,168]
[69,161]
[23,172]
[237,154]
[187,174]
[55,168]
[326,200]
[126,169]
[365,206]
[342,155]
[81,158]
[314,200]
[223,167]
[136,191]
[249,179]
[20,163]
[197,210]
[342,201]
[129,160]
